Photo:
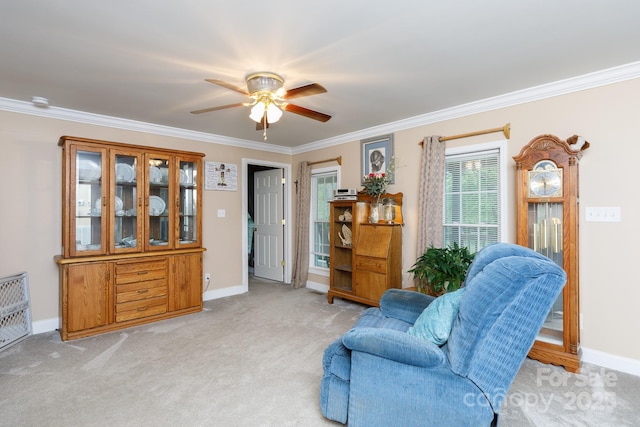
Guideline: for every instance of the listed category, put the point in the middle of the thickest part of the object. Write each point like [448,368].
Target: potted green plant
[441,270]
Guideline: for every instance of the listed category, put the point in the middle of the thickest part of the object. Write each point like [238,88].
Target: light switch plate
[222,213]
[602,214]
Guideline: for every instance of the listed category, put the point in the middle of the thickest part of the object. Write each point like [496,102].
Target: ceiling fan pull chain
[264,121]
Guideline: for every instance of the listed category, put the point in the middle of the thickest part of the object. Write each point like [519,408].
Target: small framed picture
[375,155]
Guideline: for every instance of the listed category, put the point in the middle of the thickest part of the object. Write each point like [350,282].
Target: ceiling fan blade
[307,90]
[315,115]
[220,107]
[228,86]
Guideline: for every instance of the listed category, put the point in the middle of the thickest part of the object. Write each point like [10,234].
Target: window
[323,182]
[473,196]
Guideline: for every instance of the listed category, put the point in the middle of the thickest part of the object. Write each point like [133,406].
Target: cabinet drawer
[142,308]
[141,290]
[377,265]
[141,271]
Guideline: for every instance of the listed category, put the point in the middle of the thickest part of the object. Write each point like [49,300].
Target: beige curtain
[303,206]
[430,194]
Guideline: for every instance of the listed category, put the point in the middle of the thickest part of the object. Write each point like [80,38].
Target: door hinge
[283,221]
[282,263]
[284,181]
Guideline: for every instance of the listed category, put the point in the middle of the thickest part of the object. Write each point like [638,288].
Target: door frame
[287,212]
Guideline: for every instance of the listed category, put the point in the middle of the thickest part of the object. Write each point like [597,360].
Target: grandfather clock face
[545,217]
[545,180]
[547,222]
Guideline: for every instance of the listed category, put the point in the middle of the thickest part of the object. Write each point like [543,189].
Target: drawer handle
[143,291]
[143,309]
[143,272]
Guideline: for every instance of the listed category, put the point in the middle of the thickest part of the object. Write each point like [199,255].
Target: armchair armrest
[394,345]
[404,305]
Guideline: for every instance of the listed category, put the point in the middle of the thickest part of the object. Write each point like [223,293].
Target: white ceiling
[381,61]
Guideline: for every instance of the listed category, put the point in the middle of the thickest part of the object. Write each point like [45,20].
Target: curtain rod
[506,129]
[337,159]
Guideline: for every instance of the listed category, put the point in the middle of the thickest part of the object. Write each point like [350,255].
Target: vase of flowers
[374,215]
[375,185]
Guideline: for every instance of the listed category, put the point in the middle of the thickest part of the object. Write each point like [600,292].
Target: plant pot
[427,289]
[442,268]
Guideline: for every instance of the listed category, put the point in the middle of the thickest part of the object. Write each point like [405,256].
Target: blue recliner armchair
[377,374]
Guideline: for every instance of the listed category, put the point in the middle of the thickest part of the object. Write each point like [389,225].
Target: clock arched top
[550,146]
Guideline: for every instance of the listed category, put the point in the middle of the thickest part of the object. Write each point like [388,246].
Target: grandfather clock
[547,221]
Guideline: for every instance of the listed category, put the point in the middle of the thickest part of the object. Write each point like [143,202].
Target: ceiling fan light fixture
[257,112]
[265,105]
[273,113]
[264,82]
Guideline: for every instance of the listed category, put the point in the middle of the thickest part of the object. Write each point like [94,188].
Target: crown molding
[536,93]
[562,87]
[58,113]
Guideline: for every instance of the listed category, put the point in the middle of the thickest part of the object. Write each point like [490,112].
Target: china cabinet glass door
[188,221]
[126,209]
[158,206]
[89,200]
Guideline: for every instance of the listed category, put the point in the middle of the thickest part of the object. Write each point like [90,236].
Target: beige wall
[607,118]
[30,179]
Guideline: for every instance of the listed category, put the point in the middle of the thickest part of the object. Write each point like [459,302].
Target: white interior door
[268,222]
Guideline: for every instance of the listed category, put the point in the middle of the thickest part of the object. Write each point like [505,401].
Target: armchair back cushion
[509,291]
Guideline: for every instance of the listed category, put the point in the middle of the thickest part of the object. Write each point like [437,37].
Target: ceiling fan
[269,99]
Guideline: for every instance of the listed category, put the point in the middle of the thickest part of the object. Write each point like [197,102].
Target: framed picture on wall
[375,155]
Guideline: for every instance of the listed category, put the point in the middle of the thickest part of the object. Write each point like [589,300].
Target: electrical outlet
[207,276]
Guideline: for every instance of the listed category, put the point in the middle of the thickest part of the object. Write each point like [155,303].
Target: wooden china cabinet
[131,235]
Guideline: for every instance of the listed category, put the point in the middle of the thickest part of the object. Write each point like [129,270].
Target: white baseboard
[224,292]
[47,325]
[318,287]
[611,361]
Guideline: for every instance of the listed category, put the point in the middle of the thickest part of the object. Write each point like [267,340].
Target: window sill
[319,271]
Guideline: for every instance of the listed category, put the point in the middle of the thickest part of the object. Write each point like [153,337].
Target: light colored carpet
[249,360]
